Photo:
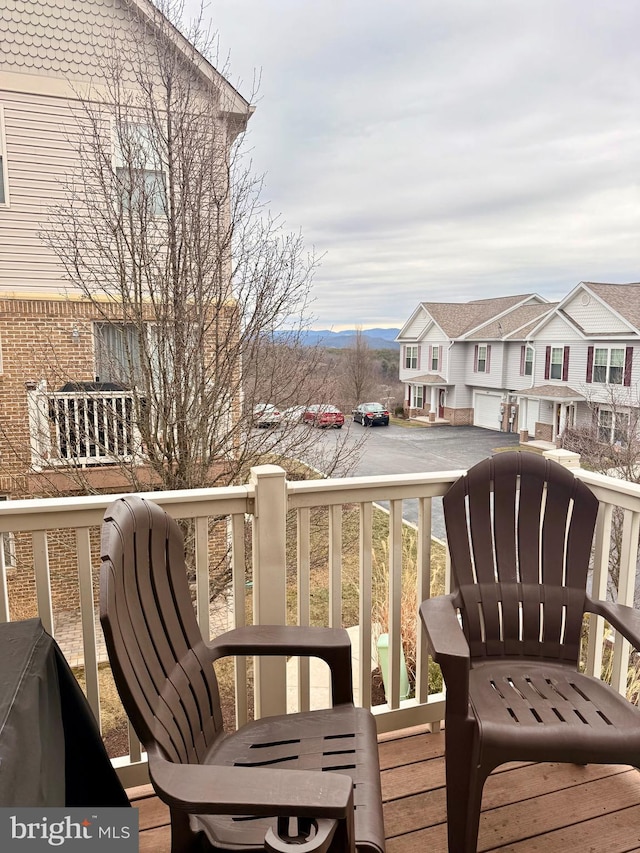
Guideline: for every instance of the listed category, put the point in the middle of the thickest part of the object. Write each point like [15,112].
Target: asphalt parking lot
[412,450]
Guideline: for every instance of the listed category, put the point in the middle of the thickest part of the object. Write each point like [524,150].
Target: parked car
[324,416]
[266,415]
[294,414]
[370,414]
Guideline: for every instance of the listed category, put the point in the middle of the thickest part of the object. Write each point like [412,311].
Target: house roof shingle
[457,318]
[515,324]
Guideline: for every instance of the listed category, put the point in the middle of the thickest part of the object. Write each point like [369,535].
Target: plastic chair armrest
[217,789]
[331,645]
[448,646]
[624,619]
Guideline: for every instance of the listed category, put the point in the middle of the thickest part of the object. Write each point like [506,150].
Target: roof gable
[71,39]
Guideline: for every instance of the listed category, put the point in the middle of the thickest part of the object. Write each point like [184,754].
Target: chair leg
[464,785]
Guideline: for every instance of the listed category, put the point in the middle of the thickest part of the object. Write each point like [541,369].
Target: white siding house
[533,366]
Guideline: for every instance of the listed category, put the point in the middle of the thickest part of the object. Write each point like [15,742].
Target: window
[139,169]
[608,366]
[418,396]
[613,427]
[117,353]
[410,357]
[8,546]
[528,361]
[435,359]
[4,185]
[482,358]
[557,354]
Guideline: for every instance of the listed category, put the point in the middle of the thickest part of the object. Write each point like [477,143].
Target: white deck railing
[264,503]
[82,428]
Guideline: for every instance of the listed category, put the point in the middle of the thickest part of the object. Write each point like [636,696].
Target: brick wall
[458,417]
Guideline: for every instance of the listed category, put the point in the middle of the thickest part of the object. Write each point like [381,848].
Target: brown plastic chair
[234,791]
[519,530]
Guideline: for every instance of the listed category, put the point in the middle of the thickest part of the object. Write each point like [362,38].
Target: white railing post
[38,413]
[269,581]
[567,458]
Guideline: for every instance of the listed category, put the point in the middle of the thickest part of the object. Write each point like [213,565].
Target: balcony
[522,810]
[84,426]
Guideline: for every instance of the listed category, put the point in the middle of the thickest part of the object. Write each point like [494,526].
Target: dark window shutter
[628,364]
[565,364]
[430,362]
[590,364]
[440,358]
[547,363]
[487,366]
[475,359]
[418,348]
[522,358]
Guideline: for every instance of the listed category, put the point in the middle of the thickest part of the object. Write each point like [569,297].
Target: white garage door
[486,410]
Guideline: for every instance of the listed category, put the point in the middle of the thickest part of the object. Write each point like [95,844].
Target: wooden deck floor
[526,807]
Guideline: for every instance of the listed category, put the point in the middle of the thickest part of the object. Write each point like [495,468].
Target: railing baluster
[423,591]
[599,589]
[239,588]
[626,590]
[202,576]
[43,579]
[304,599]
[395,602]
[365,603]
[335,566]
[87,614]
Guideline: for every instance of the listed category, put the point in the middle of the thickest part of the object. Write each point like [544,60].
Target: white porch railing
[264,503]
[81,428]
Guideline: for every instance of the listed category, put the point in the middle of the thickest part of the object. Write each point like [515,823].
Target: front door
[441,398]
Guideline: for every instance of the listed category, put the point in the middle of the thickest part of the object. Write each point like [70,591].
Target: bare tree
[359,377]
[200,295]
[610,444]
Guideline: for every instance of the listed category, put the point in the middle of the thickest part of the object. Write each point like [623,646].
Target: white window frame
[607,365]
[4,171]
[155,169]
[417,394]
[435,360]
[481,366]
[411,356]
[556,353]
[528,360]
[613,426]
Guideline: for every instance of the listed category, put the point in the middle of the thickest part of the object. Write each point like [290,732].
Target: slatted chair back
[520,529]
[161,665]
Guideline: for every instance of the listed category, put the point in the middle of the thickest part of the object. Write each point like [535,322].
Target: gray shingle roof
[457,318]
[555,392]
[515,324]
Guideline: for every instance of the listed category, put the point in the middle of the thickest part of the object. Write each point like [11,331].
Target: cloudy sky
[449,150]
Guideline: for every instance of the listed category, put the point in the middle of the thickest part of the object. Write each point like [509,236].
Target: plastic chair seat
[334,740]
[524,708]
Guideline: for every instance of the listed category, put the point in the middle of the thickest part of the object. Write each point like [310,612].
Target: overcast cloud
[445,151]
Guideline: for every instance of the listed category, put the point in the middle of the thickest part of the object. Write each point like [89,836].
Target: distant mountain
[376,338]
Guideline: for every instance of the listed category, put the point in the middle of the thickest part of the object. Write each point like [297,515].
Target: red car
[324,416]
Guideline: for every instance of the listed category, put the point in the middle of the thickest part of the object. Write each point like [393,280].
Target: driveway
[413,450]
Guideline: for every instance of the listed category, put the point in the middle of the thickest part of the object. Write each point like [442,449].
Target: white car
[266,415]
[294,414]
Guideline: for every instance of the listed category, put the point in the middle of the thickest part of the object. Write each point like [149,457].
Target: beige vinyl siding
[37,135]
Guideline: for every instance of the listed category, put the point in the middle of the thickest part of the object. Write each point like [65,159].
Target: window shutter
[475,359]
[522,358]
[418,348]
[547,363]
[565,364]
[628,364]
[590,364]
[404,355]
[487,366]
[440,359]
[430,364]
